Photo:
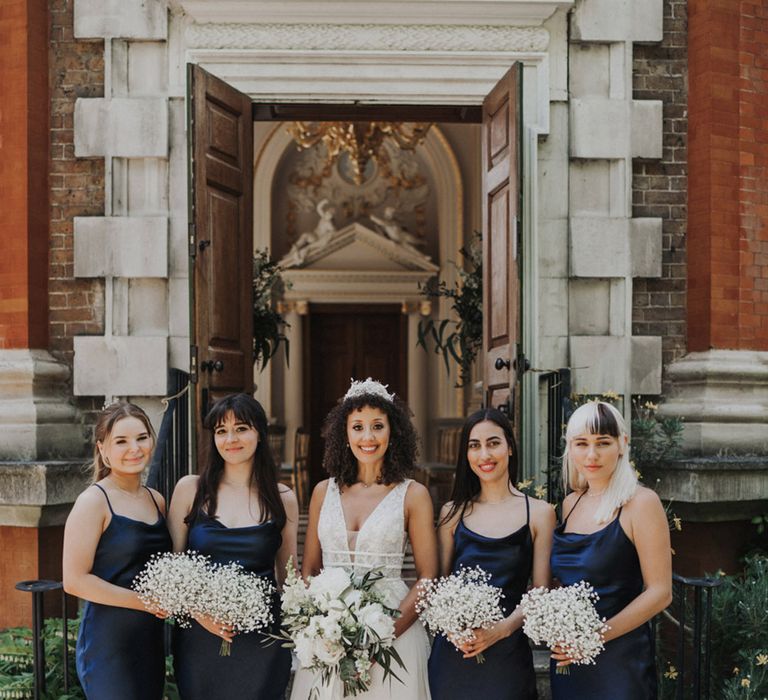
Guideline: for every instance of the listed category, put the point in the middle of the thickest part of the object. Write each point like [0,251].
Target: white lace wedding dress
[380,542]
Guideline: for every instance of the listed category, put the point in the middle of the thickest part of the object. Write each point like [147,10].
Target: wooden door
[350,341]
[220,244]
[501,216]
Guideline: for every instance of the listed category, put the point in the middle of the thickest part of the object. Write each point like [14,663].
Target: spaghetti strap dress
[608,560]
[507,673]
[256,669]
[120,652]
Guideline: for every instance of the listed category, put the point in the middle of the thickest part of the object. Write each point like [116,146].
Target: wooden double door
[346,342]
[220,243]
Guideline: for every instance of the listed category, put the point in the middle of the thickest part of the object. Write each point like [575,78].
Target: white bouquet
[458,604]
[339,626]
[187,584]
[171,581]
[565,617]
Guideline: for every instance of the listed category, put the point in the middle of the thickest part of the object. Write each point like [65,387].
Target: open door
[220,132]
[501,141]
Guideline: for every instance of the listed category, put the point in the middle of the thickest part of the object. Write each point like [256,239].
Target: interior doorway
[350,341]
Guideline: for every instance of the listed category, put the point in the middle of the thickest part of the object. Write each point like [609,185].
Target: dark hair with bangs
[263,473]
[466,485]
[400,457]
[603,422]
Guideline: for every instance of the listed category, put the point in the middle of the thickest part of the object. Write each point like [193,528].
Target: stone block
[177,190]
[553,306]
[178,307]
[600,364]
[599,247]
[121,246]
[37,420]
[179,353]
[590,186]
[553,247]
[589,307]
[147,307]
[119,19]
[120,366]
[589,74]
[553,352]
[147,68]
[617,324]
[618,20]
[645,245]
[600,128]
[558,50]
[645,375]
[647,128]
[722,395]
[553,189]
[132,127]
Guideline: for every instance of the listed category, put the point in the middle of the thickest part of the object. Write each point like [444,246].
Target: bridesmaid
[235,510]
[615,536]
[115,526]
[489,523]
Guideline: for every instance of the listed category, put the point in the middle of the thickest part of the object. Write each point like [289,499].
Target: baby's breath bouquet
[187,584]
[458,604]
[565,617]
[339,626]
[170,582]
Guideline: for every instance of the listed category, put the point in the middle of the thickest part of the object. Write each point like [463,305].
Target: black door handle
[501,364]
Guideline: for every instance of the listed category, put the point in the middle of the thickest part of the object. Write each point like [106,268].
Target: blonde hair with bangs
[601,418]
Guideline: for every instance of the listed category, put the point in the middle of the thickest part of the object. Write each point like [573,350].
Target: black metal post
[64,637]
[681,642]
[37,588]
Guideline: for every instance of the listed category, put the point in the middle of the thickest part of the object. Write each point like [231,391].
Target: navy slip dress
[120,653]
[507,673]
[608,560]
[256,669]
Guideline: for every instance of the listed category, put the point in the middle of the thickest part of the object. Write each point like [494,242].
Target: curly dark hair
[400,457]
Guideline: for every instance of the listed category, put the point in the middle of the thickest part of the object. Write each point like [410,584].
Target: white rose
[328,652]
[329,584]
[305,650]
[330,627]
[374,618]
[353,597]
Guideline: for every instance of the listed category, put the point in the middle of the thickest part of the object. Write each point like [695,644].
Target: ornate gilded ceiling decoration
[362,142]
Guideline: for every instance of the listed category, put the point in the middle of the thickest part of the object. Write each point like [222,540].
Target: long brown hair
[263,474]
[103,429]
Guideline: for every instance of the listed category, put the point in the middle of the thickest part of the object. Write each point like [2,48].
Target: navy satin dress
[608,560]
[507,673]
[254,670]
[120,654]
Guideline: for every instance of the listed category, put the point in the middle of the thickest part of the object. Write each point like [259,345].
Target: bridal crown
[368,387]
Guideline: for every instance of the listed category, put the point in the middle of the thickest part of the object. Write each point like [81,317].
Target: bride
[360,518]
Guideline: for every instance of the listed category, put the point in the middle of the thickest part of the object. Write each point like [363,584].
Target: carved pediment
[357,248]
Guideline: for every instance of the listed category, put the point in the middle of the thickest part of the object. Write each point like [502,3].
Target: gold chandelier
[362,141]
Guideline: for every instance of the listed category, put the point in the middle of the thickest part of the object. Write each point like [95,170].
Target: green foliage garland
[268,324]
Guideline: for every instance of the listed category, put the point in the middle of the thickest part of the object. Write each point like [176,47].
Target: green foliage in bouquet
[458,341]
[268,324]
[17,671]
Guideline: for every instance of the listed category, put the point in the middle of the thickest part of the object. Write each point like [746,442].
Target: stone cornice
[367,37]
[383,12]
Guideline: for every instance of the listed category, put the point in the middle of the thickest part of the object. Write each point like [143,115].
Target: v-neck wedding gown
[380,542]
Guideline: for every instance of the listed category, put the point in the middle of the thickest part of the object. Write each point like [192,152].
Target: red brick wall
[28,553]
[728,154]
[659,186]
[77,185]
[23,173]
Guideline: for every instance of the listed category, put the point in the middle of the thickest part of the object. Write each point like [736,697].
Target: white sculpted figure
[392,229]
[312,241]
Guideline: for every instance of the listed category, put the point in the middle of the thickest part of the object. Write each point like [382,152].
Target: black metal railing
[558,387]
[684,637]
[171,457]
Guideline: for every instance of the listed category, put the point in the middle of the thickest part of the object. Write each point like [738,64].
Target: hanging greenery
[268,324]
[458,341]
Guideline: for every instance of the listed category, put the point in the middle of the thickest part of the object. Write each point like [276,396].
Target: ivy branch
[458,341]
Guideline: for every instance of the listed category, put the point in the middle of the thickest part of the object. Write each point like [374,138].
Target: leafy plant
[654,439]
[458,341]
[268,323]
[17,678]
